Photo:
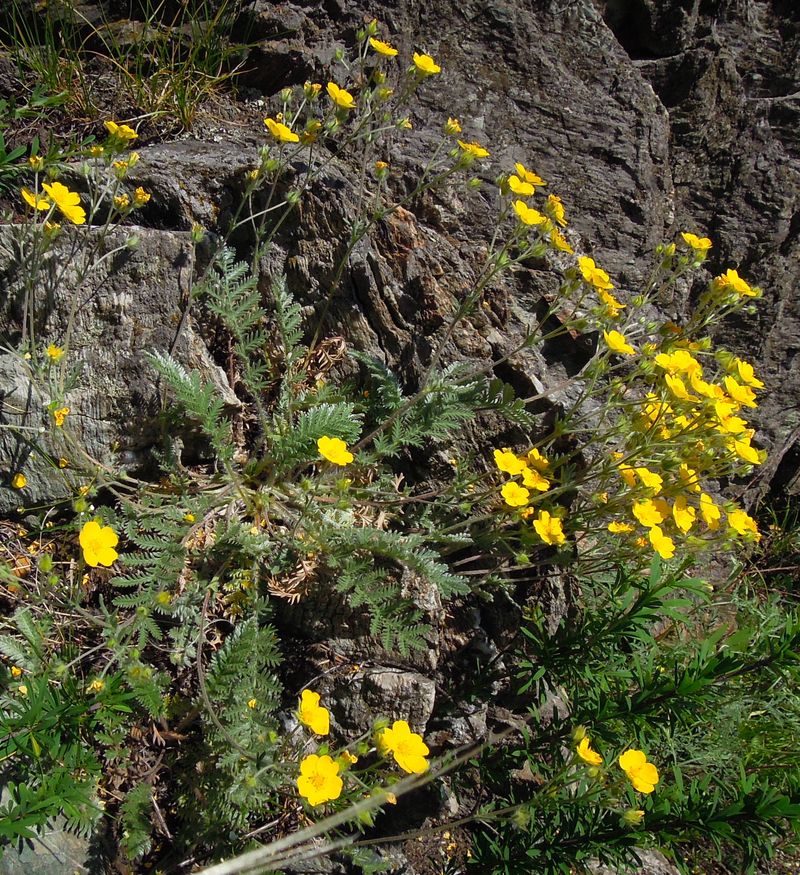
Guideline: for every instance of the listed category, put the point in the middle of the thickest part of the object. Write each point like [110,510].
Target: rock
[651,863]
[132,305]
[323,616]
[382,692]
[53,851]
[274,64]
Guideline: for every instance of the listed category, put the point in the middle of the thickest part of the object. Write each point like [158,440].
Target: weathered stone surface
[382,692]
[132,305]
[322,616]
[652,863]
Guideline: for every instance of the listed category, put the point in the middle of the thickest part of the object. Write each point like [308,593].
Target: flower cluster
[642,774]
[546,223]
[687,427]
[533,471]
[320,778]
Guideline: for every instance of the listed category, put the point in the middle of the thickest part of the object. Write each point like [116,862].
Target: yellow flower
[425,65]
[683,514]
[689,478]
[121,132]
[731,280]
[63,462]
[594,275]
[549,528]
[747,374]
[679,362]
[663,545]
[312,714]
[251,703]
[741,394]
[319,780]
[743,524]
[700,245]
[709,511]
[141,197]
[383,48]
[188,517]
[348,757]
[96,686]
[122,202]
[96,151]
[586,753]
[36,163]
[312,90]
[381,167]
[537,460]
[650,479]
[311,132]
[37,201]
[523,189]
[508,462]
[527,215]
[745,452]
[628,474]
[69,202]
[643,775]
[515,495]
[534,480]
[59,415]
[633,816]
[648,513]
[618,528]
[97,543]
[343,99]
[392,799]
[334,450]
[554,208]
[23,690]
[452,127]
[678,388]
[19,480]
[473,149]
[407,747]
[528,175]
[16,671]
[617,343]
[54,352]
[281,132]
[560,242]
[613,306]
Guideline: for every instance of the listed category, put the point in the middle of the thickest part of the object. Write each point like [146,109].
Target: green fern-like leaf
[135,820]
[201,401]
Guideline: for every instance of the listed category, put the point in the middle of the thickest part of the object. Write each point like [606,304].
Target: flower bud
[578,733]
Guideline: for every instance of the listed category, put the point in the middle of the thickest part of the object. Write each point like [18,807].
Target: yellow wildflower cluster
[522,184]
[320,778]
[642,774]
[688,427]
[533,471]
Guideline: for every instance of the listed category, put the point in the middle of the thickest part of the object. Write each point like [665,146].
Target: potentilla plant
[166,590]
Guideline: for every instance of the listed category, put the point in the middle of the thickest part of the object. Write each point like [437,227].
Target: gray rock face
[652,863]
[132,305]
[383,692]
